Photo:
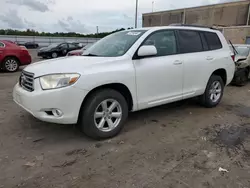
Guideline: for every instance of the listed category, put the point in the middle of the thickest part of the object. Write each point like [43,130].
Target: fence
[46,41]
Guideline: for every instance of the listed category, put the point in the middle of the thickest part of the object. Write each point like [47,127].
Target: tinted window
[1,44]
[190,41]
[204,42]
[63,46]
[72,45]
[213,41]
[164,41]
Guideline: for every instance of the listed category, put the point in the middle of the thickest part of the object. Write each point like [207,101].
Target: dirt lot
[176,145]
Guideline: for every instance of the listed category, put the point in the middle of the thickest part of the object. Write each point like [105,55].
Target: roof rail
[190,25]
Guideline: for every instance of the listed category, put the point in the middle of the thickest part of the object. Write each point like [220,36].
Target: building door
[248,40]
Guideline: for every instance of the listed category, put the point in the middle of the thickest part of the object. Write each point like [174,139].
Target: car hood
[70,64]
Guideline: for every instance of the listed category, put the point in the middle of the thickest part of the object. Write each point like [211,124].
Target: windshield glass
[242,50]
[114,45]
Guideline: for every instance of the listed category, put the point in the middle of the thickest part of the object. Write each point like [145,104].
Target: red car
[13,56]
[79,52]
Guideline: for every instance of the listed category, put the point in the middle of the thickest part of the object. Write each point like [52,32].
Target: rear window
[213,40]
[242,50]
[190,41]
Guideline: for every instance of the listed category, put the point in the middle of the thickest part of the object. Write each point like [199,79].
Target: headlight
[58,80]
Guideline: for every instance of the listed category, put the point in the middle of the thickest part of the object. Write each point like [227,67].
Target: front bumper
[68,100]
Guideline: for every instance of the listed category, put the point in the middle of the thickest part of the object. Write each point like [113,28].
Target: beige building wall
[227,14]
[237,35]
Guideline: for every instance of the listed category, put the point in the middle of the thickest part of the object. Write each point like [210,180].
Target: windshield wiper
[94,55]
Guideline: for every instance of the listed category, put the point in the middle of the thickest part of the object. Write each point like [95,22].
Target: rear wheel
[104,114]
[213,93]
[11,64]
[242,79]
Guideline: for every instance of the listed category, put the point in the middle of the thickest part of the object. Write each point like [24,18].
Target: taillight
[233,57]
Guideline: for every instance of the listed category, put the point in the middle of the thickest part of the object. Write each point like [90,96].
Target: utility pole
[153,6]
[97,30]
[136,10]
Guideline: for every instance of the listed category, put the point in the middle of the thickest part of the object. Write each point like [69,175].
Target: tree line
[31,32]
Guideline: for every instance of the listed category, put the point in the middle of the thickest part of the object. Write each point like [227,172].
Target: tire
[88,123]
[242,79]
[11,64]
[206,99]
[54,55]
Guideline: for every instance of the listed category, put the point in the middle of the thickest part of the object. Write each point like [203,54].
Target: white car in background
[242,61]
[127,71]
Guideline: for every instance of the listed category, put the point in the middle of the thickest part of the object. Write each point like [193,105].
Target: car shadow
[136,120]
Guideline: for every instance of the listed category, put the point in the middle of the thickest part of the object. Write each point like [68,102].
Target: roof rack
[190,25]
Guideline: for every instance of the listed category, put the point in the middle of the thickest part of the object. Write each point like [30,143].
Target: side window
[72,45]
[213,40]
[164,41]
[190,41]
[63,46]
[204,42]
[1,45]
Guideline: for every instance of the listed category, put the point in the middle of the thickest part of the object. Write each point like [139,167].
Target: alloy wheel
[215,91]
[108,115]
[11,65]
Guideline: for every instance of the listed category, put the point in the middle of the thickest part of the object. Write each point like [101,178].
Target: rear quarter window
[2,44]
[213,40]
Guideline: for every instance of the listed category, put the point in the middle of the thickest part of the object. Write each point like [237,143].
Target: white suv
[127,71]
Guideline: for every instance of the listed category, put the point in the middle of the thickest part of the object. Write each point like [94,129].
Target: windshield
[242,50]
[114,45]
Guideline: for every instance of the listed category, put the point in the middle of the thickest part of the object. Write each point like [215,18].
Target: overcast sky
[82,15]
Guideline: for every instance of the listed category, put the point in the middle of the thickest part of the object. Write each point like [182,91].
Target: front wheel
[213,93]
[11,64]
[54,55]
[104,114]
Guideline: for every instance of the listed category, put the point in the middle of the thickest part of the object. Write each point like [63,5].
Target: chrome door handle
[177,62]
[210,58]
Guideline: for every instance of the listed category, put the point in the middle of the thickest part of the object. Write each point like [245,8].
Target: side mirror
[147,50]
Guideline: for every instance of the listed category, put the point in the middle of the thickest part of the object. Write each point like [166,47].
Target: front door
[159,78]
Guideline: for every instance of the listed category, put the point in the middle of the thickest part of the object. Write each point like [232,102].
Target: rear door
[194,58]
[64,48]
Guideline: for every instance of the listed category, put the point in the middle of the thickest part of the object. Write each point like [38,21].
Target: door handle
[177,62]
[210,58]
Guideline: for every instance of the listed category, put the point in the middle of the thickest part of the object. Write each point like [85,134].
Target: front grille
[26,81]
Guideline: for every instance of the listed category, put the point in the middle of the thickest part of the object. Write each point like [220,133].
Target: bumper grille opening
[26,81]
[49,113]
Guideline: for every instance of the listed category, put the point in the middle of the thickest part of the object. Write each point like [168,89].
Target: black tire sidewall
[206,97]
[10,58]
[87,123]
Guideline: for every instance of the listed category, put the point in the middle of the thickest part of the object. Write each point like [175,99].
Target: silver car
[242,61]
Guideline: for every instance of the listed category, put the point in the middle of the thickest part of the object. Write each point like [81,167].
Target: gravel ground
[177,145]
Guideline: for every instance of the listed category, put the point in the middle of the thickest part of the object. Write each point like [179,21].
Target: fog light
[57,112]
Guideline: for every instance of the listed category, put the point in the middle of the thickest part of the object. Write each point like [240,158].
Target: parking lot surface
[176,145]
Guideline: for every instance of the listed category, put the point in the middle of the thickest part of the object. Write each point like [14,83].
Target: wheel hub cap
[215,91]
[11,65]
[108,115]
